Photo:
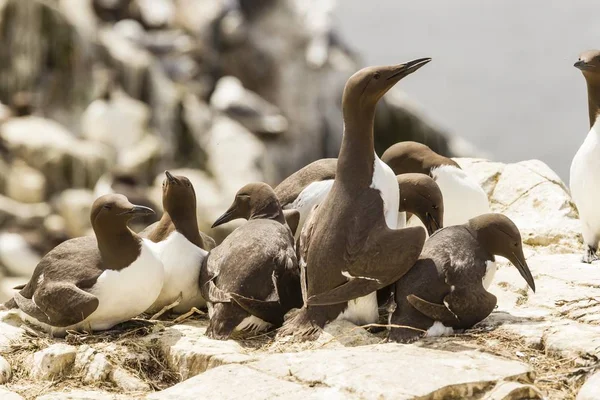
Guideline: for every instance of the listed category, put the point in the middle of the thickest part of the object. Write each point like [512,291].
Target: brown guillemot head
[589,64]
[498,235]
[113,212]
[414,157]
[368,85]
[253,201]
[420,195]
[178,196]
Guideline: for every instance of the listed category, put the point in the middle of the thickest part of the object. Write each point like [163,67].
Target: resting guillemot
[180,246]
[349,247]
[93,283]
[463,197]
[584,177]
[251,279]
[447,287]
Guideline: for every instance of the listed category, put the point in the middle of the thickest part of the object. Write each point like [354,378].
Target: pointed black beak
[408,68]
[170,177]
[228,216]
[431,224]
[519,262]
[139,211]
[579,64]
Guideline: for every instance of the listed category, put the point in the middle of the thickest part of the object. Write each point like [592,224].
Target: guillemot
[463,196]
[181,247]
[93,283]
[251,279]
[584,178]
[349,247]
[447,287]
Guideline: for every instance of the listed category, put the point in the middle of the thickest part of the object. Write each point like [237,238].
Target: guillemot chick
[584,177]
[463,197]
[349,247]
[447,287]
[308,187]
[251,279]
[181,247]
[93,283]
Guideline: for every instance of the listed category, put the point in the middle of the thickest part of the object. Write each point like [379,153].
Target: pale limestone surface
[54,361]
[562,320]
[591,388]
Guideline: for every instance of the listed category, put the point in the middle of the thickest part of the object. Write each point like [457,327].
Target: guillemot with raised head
[349,246]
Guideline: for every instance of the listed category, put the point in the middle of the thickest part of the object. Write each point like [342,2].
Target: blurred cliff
[103,95]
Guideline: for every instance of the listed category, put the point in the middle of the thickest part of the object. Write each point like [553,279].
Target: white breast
[463,197]
[439,329]
[311,196]
[490,271]
[385,181]
[182,260]
[362,311]
[585,185]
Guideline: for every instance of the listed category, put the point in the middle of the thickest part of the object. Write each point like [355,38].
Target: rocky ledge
[542,345]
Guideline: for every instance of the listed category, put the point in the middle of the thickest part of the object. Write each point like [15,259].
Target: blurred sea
[502,74]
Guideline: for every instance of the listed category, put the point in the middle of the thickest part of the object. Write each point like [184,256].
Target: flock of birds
[351,238]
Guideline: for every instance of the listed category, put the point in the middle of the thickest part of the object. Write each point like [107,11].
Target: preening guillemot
[349,246]
[463,196]
[251,279]
[94,283]
[447,287]
[585,179]
[180,246]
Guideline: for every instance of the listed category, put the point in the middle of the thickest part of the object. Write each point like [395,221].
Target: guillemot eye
[376,75]
[108,206]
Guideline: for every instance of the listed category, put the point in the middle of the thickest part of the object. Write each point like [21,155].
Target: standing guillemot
[349,247]
[584,177]
[447,287]
[463,197]
[251,279]
[92,283]
[181,247]
[310,185]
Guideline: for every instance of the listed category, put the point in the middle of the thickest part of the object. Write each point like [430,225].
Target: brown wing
[208,289]
[292,186]
[375,256]
[292,217]
[470,305]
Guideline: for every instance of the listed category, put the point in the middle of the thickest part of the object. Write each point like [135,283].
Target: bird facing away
[447,287]
[251,279]
[584,177]
[94,283]
[463,196]
[180,246]
[349,247]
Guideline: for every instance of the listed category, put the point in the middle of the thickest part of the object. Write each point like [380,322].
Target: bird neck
[357,156]
[119,246]
[185,223]
[271,210]
[593,89]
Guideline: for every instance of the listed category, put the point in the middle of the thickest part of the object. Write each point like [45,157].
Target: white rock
[120,122]
[75,205]
[83,395]
[25,184]
[54,361]
[5,371]
[24,213]
[127,382]
[94,365]
[10,330]
[189,352]
[6,394]
[157,13]
[591,388]
[513,391]
[16,255]
[535,198]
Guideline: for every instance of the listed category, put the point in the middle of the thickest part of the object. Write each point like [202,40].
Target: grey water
[502,74]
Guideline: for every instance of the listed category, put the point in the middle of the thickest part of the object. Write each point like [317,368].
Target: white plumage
[122,294]
[439,329]
[361,311]
[585,186]
[311,196]
[182,260]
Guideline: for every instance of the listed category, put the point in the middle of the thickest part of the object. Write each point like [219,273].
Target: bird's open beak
[408,68]
[139,211]
[520,263]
